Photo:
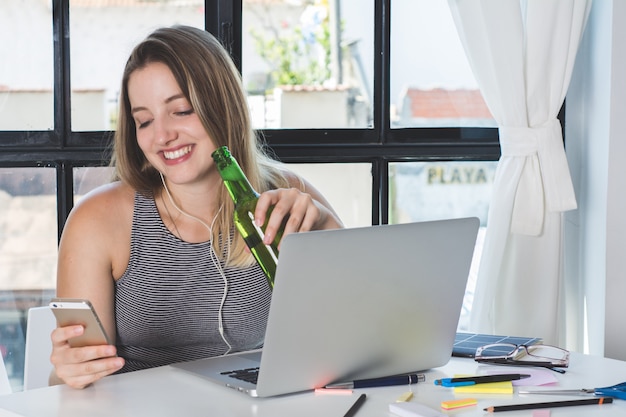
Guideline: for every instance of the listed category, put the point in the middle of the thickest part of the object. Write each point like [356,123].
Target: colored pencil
[552,404]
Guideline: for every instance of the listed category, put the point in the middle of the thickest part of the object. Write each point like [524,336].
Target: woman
[156,252]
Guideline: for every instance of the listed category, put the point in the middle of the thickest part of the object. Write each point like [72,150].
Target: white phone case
[76,311]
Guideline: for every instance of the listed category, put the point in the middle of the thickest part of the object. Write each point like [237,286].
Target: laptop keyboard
[248,374]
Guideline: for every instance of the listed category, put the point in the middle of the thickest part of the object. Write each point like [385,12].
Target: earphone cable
[212,255]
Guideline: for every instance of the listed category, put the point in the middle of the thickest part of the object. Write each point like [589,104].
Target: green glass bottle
[245,198]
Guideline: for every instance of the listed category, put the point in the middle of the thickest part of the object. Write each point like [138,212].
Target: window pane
[347,187]
[26,69]
[301,71]
[438,190]
[88,178]
[28,255]
[432,84]
[102,35]
[424,191]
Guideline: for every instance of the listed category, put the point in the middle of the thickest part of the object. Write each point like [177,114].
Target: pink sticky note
[541,413]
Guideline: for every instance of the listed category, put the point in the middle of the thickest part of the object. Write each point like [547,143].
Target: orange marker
[463,402]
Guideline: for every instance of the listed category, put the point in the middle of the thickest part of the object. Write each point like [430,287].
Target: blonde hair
[211,82]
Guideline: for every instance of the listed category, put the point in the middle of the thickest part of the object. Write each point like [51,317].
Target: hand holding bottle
[291,208]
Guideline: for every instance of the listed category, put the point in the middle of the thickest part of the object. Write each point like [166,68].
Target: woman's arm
[94,249]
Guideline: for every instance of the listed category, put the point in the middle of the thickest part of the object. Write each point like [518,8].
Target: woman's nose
[164,131]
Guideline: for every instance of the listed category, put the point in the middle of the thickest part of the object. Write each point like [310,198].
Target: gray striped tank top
[167,300]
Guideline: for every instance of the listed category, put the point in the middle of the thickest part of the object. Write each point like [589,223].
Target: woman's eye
[185,112]
[141,125]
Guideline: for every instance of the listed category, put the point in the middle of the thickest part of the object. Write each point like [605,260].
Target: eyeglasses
[545,356]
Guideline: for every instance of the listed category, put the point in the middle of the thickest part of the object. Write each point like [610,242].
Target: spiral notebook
[356,303]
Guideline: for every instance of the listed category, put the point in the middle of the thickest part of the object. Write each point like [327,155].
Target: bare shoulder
[105,212]
[97,233]
[108,207]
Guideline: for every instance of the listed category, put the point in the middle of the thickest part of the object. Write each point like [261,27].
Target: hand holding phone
[69,311]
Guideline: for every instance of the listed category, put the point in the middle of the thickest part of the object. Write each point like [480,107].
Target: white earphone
[213,256]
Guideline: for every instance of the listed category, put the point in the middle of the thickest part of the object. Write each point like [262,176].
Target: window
[104,33]
[300,71]
[28,248]
[431,83]
[26,78]
[352,109]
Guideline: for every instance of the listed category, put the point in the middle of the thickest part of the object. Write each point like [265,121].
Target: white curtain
[522,54]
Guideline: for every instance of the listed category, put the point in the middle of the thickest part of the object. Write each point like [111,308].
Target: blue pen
[473,380]
[380,382]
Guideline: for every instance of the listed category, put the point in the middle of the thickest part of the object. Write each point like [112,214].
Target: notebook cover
[465,344]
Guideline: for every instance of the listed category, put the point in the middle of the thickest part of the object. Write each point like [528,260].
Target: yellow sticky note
[405,397]
[505,387]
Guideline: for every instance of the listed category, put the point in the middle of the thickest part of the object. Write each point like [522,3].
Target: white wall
[595,233]
[615,336]
[34,110]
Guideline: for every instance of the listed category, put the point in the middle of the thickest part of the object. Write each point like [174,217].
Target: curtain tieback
[544,175]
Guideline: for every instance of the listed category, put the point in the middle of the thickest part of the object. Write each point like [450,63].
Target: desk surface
[167,391]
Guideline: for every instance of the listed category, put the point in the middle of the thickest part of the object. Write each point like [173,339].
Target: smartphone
[70,311]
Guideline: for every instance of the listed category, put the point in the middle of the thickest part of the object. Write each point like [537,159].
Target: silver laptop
[357,303]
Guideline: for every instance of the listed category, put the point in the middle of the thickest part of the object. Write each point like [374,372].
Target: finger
[287,208]
[311,217]
[303,214]
[84,374]
[90,353]
[61,335]
[265,201]
[306,221]
[70,362]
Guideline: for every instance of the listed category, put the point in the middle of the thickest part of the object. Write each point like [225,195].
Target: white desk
[169,392]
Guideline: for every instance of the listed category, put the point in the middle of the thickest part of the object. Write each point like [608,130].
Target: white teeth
[177,153]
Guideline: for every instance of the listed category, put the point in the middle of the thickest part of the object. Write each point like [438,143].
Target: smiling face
[169,131]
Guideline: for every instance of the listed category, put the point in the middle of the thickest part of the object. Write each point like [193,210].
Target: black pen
[355,407]
[473,380]
[380,382]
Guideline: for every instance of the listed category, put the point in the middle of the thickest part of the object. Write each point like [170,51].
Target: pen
[473,380]
[355,407]
[552,404]
[380,382]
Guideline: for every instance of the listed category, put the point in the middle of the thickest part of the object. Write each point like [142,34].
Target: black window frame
[381,145]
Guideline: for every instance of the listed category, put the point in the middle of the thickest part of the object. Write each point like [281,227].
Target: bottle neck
[234,179]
